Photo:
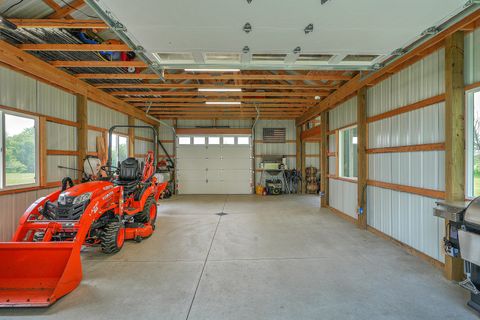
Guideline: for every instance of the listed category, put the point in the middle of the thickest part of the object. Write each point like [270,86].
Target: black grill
[64,212]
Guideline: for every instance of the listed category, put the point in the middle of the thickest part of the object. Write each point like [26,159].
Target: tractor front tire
[149,212]
[113,237]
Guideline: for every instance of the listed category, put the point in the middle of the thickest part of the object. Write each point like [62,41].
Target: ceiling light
[223,102]
[219,90]
[212,70]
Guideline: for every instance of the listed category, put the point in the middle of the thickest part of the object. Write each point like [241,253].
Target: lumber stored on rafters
[140,76]
[246,100]
[72,47]
[99,64]
[59,23]
[223,94]
[16,59]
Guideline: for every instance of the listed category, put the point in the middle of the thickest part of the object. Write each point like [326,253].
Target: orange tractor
[42,262]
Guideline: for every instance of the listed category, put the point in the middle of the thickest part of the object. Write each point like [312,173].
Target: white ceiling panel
[340,26]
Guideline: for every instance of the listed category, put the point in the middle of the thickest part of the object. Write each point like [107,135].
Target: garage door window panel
[199,140]
[229,140]
[184,140]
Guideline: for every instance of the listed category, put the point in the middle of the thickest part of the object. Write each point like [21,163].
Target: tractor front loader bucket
[36,274]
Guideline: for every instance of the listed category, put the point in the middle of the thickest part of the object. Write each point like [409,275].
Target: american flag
[274,135]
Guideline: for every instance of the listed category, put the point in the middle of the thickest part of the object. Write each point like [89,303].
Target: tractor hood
[83,192]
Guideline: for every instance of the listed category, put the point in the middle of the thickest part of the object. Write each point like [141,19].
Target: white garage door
[214,164]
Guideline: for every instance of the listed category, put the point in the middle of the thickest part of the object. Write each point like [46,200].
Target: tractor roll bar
[155,139]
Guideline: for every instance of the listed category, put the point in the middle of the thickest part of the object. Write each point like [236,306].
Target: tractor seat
[129,175]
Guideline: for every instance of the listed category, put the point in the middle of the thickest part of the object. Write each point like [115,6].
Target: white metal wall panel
[426,125]
[407,218]
[235,123]
[423,169]
[141,132]
[313,152]
[472,57]
[55,102]
[422,80]
[17,90]
[61,137]
[343,115]
[103,117]
[54,173]
[343,196]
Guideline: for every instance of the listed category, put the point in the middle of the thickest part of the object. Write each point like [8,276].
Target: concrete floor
[268,258]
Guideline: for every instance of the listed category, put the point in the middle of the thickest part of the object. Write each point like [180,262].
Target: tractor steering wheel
[110,170]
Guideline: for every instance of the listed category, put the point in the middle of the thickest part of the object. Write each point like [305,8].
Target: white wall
[342,194]
[472,57]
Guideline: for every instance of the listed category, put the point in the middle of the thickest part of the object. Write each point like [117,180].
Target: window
[198,140]
[348,153]
[184,140]
[228,140]
[20,150]
[473,143]
[213,140]
[119,148]
[243,140]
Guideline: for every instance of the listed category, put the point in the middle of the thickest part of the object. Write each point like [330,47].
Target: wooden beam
[304,166]
[408,108]
[16,59]
[72,47]
[154,105]
[55,6]
[59,23]
[298,153]
[430,193]
[362,158]
[324,190]
[222,94]
[265,77]
[243,100]
[139,76]
[99,64]
[213,131]
[409,148]
[43,167]
[67,9]
[131,137]
[454,135]
[82,130]
[315,132]
[213,85]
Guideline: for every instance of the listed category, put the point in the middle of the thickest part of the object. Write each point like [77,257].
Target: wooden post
[454,135]
[131,137]
[298,153]
[82,129]
[362,157]
[174,151]
[304,167]
[324,159]
[42,132]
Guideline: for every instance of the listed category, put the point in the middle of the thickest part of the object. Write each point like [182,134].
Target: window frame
[340,153]
[3,178]
[469,143]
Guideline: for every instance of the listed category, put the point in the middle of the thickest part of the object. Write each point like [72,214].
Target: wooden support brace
[82,129]
[362,157]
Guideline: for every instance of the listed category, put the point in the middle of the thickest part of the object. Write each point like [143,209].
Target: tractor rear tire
[113,237]
[147,215]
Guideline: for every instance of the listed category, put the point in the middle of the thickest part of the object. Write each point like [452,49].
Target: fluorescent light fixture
[219,90]
[223,102]
[212,70]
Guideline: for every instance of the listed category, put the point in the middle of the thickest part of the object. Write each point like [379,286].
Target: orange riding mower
[42,262]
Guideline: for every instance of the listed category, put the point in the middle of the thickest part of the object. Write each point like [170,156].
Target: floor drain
[221,214]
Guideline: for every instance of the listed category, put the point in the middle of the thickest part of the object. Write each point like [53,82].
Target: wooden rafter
[99,64]
[55,6]
[245,100]
[59,23]
[67,9]
[203,105]
[73,47]
[213,85]
[140,76]
[224,94]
